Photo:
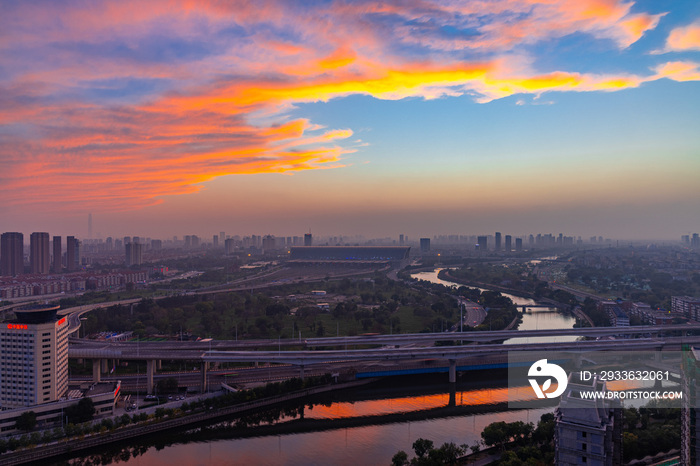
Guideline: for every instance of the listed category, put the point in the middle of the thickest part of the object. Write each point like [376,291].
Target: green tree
[495,434]
[26,421]
[82,411]
[422,447]
[399,459]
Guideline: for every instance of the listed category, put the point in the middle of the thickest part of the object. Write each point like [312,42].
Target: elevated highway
[379,340]
[152,353]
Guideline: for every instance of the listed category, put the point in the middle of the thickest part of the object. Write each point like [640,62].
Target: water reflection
[351,427]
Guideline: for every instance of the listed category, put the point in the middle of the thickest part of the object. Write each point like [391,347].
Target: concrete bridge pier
[104,362]
[96,374]
[453,370]
[203,387]
[150,369]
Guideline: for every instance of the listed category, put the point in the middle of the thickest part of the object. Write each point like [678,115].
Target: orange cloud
[684,38]
[679,71]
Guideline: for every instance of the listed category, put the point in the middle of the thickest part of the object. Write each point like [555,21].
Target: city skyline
[416,118]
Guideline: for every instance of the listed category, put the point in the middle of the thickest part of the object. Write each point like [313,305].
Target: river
[371,425]
[534,318]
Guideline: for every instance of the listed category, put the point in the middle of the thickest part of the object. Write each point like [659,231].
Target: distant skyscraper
[229,246]
[308,239]
[72,253]
[222,237]
[57,254]
[483,243]
[39,255]
[156,244]
[268,243]
[133,254]
[109,243]
[401,240]
[215,241]
[89,226]
[498,241]
[518,244]
[695,241]
[509,243]
[424,244]
[12,253]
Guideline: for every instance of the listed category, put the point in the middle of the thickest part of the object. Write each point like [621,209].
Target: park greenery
[376,305]
[650,430]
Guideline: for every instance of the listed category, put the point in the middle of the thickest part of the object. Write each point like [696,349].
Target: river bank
[68,446]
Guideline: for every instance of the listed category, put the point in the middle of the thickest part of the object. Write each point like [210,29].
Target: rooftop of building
[36,313]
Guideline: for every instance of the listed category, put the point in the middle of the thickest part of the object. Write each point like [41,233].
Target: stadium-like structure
[349,254]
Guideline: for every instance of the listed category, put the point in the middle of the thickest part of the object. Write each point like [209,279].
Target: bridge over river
[401,348]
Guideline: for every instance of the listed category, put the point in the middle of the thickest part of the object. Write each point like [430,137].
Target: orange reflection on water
[487,396]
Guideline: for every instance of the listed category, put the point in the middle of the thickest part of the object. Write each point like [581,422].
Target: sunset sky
[420,117]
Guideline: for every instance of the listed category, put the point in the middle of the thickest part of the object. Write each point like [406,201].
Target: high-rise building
[425,245]
[229,246]
[509,243]
[518,244]
[308,239]
[109,243]
[687,306]
[215,241]
[587,431]
[401,240]
[39,340]
[483,243]
[498,241]
[268,243]
[156,244]
[72,253]
[133,254]
[57,255]
[695,241]
[12,254]
[39,255]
